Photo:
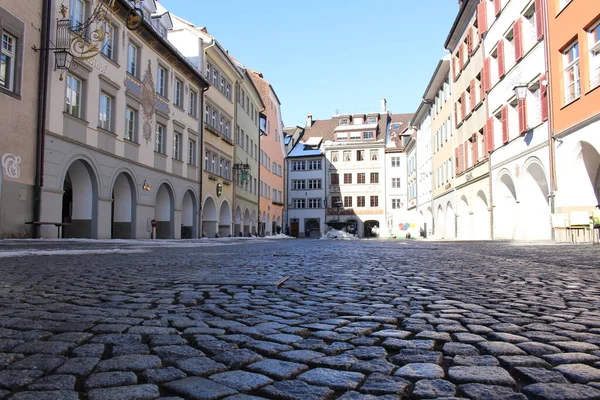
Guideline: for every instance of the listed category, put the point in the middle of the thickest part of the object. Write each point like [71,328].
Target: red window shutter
[475,149]
[457,160]
[489,131]
[482,17]
[470,42]
[461,158]
[522,109]
[456,114]
[543,98]
[454,68]
[466,153]
[473,95]
[504,117]
[486,77]
[463,106]
[484,140]
[539,18]
[461,61]
[501,70]
[497,7]
[518,38]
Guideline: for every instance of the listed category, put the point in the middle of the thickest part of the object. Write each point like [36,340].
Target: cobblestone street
[299,319]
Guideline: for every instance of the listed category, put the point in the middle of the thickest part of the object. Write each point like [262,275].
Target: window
[374,201]
[314,184]
[130,124]
[360,201]
[334,156]
[214,118]
[208,71]
[298,203]
[207,161]
[223,84]
[395,162]
[347,201]
[335,201]
[571,72]
[360,177]
[344,121]
[74,91]
[178,93]
[371,120]
[227,170]
[77,14]
[360,155]
[368,135]
[396,204]
[213,163]
[374,177]
[215,77]
[109,40]
[191,152]
[395,183]
[354,135]
[298,165]
[594,45]
[161,81]
[105,112]
[314,164]
[193,111]
[227,129]
[228,90]
[347,155]
[222,124]
[222,167]
[132,59]
[335,179]
[347,178]
[314,203]
[7,61]
[298,184]
[177,139]
[374,155]
[160,138]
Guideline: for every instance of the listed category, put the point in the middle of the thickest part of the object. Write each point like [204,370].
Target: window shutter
[473,95]
[539,18]
[486,77]
[461,158]
[522,109]
[482,18]
[463,106]
[461,61]
[475,149]
[489,130]
[466,153]
[501,58]
[470,42]
[504,117]
[484,140]
[518,38]
[543,99]
[457,160]
[456,114]
[497,7]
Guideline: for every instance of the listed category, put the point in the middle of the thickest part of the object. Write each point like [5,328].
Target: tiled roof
[262,86]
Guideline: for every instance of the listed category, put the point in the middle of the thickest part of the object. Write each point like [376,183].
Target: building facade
[123,130]
[306,198]
[573,86]
[422,123]
[469,216]
[516,128]
[271,158]
[19,111]
[395,177]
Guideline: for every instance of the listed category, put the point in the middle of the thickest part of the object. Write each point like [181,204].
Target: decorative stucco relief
[148,102]
[10,165]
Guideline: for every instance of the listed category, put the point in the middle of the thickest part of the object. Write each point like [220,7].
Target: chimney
[383,105]
[309,120]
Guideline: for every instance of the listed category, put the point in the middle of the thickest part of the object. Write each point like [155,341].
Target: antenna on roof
[337,111]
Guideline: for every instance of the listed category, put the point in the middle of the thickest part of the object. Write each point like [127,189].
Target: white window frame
[69,107]
[571,66]
[77,12]
[105,115]
[177,146]
[178,93]
[395,183]
[193,111]
[161,80]
[314,184]
[191,152]
[133,51]
[108,44]
[8,52]
[159,138]
[368,135]
[131,124]
[395,162]
[594,46]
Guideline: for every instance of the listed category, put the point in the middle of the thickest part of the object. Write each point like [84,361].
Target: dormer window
[368,135]
[344,121]
[372,120]
[355,136]
[396,126]
[358,121]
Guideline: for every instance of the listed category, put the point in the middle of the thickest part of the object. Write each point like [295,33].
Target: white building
[424,162]
[514,59]
[395,176]
[306,166]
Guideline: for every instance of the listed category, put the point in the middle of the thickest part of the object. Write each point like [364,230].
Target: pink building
[272,154]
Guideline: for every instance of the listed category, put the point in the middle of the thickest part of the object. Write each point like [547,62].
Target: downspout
[234,160]
[41,117]
[489,161]
[551,139]
[201,157]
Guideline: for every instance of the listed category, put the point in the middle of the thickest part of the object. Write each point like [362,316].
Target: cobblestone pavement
[354,320]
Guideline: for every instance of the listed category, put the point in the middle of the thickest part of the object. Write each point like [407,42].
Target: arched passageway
[123,207]
[80,201]
[450,223]
[312,228]
[535,215]
[164,212]
[225,220]
[481,217]
[440,222]
[237,224]
[189,221]
[209,218]
[505,212]
[247,222]
[463,218]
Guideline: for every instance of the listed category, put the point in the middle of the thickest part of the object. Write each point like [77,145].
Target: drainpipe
[233,161]
[41,116]
[551,139]
[201,166]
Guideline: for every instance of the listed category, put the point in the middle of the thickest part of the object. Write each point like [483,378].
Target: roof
[467,4]
[355,127]
[310,148]
[263,85]
[398,124]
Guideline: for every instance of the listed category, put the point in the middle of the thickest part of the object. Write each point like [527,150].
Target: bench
[59,225]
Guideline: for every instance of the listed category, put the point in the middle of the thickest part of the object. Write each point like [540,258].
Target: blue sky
[328,55]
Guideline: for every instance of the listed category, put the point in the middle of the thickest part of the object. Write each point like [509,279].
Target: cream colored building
[19,113]
[123,132]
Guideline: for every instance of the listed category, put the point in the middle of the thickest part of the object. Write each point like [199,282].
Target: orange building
[573,28]
[272,153]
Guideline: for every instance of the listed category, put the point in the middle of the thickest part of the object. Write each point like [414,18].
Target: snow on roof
[302,149]
[314,141]
[355,127]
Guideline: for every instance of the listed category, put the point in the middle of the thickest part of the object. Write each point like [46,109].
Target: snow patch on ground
[279,236]
[335,234]
[33,252]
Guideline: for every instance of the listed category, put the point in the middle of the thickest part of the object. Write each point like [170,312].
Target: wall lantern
[63,59]
[521,91]
[146,187]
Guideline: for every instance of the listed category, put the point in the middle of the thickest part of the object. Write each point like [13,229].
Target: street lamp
[520,91]
[338,205]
